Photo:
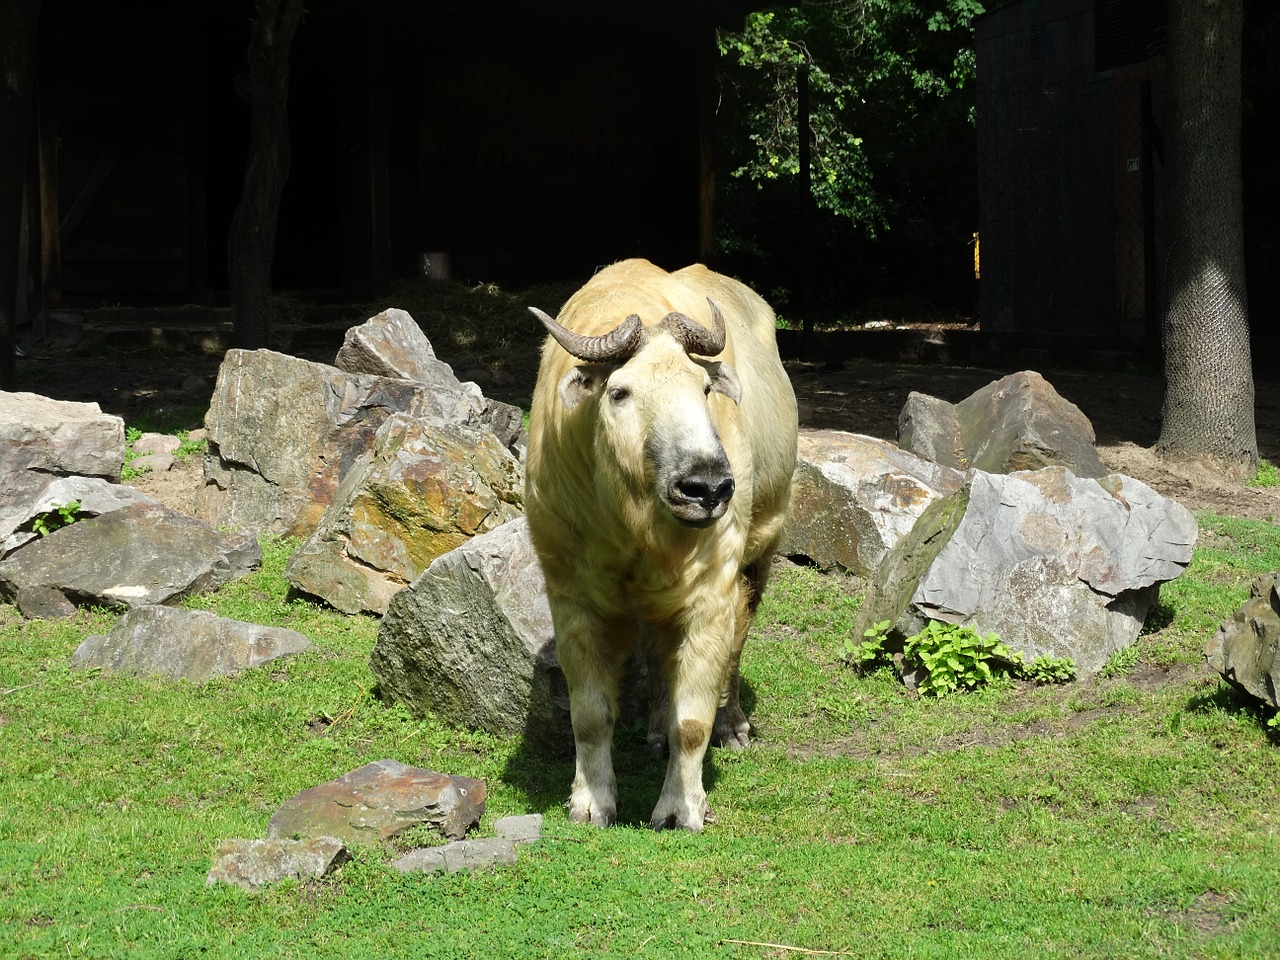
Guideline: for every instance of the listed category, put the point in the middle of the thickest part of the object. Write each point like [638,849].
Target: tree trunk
[1208,403]
[252,241]
[18,25]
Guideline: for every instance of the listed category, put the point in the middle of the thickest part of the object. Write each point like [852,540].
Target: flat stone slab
[483,854]
[94,495]
[255,864]
[185,644]
[379,800]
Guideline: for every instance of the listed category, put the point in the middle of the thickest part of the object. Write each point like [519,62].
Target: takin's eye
[618,394]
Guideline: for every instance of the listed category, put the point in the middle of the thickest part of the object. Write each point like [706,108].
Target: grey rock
[522,829]
[156,443]
[185,644]
[284,432]
[483,854]
[380,800]
[425,488]
[855,497]
[255,864]
[471,640]
[1246,647]
[928,427]
[1016,423]
[43,603]
[392,344]
[94,495]
[1057,565]
[141,554]
[41,439]
[153,463]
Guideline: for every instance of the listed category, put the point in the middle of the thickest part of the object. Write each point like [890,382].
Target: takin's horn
[620,343]
[694,337]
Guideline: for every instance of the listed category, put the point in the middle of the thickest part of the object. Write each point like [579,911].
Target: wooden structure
[490,142]
[1069,98]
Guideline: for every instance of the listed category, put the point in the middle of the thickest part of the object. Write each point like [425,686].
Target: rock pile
[311,834]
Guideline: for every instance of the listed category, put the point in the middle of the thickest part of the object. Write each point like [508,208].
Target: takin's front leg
[592,659]
[694,668]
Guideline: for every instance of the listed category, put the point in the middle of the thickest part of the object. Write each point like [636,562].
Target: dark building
[493,142]
[1069,104]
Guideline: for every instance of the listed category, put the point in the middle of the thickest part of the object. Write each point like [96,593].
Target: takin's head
[652,394]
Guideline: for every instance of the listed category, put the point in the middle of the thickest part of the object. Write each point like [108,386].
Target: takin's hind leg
[659,693]
[732,729]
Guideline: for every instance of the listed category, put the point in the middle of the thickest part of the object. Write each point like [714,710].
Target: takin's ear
[580,382]
[724,379]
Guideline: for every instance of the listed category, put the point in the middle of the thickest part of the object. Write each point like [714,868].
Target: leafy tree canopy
[879,73]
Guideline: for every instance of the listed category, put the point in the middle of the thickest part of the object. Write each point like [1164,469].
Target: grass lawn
[1135,815]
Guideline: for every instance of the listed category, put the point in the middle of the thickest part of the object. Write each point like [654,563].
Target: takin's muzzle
[700,493]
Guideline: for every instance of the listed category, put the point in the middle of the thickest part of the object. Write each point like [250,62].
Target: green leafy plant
[870,651]
[952,657]
[1268,475]
[59,515]
[1045,669]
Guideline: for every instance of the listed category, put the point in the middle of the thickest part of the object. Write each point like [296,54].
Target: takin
[662,443]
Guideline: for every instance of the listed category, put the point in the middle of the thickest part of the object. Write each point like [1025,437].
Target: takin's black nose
[708,489]
[697,490]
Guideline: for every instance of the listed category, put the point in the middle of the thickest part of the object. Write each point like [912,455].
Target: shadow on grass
[542,766]
[1233,701]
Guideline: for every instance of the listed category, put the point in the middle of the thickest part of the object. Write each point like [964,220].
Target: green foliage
[892,149]
[1267,476]
[953,658]
[870,650]
[59,516]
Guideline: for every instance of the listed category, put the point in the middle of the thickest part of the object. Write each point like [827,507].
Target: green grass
[1268,475]
[1134,815]
[188,447]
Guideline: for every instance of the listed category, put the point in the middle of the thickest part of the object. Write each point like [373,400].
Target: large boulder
[1246,647]
[185,644]
[140,554]
[856,496]
[93,496]
[41,439]
[392,344]
[284,432]
[1016,423]
[426,488]
[1057,565]
[471,641]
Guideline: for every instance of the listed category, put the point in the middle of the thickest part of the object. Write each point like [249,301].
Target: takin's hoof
[673,821]
[731,732]
[597,816]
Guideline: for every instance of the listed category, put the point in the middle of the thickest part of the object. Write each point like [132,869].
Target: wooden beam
[50,278]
